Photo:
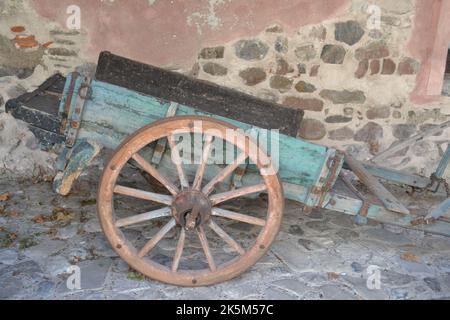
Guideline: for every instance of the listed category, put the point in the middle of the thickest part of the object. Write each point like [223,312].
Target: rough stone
[311,104]
[378,113]
[309,244]
[267,94]
[281,45]
[93,273]
[303,86]
[251,49]
[347,234]
[403,131]
[348,112]
[349,32]
[215,69]
[62,52]
[374,50]
[370,132]
[396,114]
[408,66]
[314,70]
[333,54]
[9,287]
[433,284]
[422,148]
[340,134]
[429,126]
[295,230]
[306,52]
[275,29]
[394,239]
[8,256]
[282,67]
[212,53]
[374,67]
[253,76]
[394,278]
[318,32]
[391,20]
[281,83]
[337,119]
[44,249]
[301,67]
[388,66]
[311,129]
[357,267]
[363,66]
[344,96]
[320,225]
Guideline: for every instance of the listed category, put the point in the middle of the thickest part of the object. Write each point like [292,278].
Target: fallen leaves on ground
[58,214]
[5,196]
[408,256]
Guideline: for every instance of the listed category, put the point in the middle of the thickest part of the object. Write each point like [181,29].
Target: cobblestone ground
[321,256]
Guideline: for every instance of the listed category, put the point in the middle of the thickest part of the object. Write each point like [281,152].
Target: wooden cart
[141,112]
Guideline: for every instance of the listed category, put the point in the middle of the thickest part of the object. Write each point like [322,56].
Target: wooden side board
[201,95]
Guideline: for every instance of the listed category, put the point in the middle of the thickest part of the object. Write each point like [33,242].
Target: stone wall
[353,82]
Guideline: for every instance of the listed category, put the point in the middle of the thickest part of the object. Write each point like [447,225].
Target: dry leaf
[408,256]
[333,275]
[5,196]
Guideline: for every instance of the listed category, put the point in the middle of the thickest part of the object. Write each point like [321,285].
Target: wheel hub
[191,209]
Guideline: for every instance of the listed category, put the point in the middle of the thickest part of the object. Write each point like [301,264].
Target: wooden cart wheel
[192,208]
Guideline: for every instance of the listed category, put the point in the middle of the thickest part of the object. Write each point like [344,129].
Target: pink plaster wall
[429,43]
[160,34]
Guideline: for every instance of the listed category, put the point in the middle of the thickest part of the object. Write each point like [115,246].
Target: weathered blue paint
[111,113]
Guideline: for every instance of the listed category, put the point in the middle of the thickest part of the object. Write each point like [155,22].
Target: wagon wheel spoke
[238,217]
[157,237]
[163,212]
[224,173]
[177,160]
[151,170]
[226,237]
[141,194]
[178,250]
[201,168]
[224,196]
[205,246]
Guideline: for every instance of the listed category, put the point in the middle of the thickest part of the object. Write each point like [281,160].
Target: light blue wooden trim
[443,164]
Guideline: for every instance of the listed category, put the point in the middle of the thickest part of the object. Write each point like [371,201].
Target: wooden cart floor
[320,256]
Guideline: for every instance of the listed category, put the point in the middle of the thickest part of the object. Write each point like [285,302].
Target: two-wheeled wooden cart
[141,112]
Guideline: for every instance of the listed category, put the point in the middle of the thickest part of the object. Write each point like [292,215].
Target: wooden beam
[389,201]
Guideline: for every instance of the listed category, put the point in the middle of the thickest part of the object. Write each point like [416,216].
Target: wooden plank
[389,201]
[199,94]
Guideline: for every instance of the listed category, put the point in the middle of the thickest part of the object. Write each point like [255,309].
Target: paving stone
[393,278]
[296,230]
[45,288]
[289,254]
[28,268]
[275,29]
[433,284]
[8,256]
[93,273]
[67,232]
[301,67]
[347,234]
[44,249]
[312,129]
[291,285]
[251,49]
[306,52]
[56,265]
[314,70]
[278,294]
[309,245]
[387,236]
[344,96]
[334,292]
[10,287]
[349,32]
[320,226]
[359,285]
[333,54]
[357,267]
[315,214]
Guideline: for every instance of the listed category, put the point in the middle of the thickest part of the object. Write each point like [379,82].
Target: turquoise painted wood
[111,113]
